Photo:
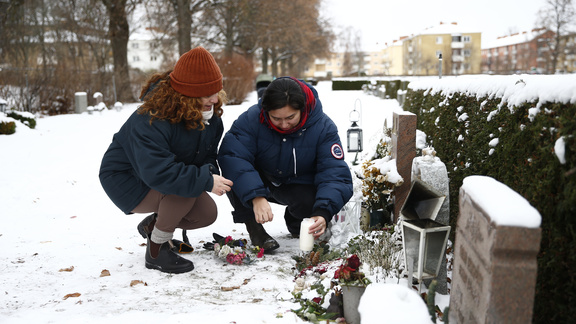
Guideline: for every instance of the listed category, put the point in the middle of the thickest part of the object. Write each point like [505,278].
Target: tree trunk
[264,61]
[119,32]
[184,17]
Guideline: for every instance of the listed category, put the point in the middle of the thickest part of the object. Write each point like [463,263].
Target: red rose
[353,262]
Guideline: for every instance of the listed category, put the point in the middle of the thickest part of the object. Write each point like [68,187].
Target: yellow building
[414,55]
[460,50]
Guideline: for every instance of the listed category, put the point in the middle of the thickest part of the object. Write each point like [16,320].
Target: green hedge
[524,159]
[7,128]
[349,85]
[392,86]
[28,121]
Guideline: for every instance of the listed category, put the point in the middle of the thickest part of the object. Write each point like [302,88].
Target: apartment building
[460,50]
[528,52]
[414,55]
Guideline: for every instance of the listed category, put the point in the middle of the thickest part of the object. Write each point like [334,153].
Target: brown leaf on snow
[229,288]
[104,273]
[67,269]
[118,248]
[246,281]
[72,295]
[137,282]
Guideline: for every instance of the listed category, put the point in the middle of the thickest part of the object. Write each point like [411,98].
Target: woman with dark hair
[287,151]
[163,159]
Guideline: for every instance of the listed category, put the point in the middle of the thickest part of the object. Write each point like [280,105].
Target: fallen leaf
[67,269]
[137,282]
[246,281]
[73,217]
[72,295]
[229,288]
[104,273]
[118,248]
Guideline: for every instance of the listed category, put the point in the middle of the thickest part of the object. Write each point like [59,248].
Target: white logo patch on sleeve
[337,151]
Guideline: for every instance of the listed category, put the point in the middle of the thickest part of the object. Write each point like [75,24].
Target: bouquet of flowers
[380,177]
[349,273]
[234,251]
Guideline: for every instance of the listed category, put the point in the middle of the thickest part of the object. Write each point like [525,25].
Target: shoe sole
[155,267]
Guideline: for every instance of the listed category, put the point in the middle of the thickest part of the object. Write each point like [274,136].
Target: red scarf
[308,107]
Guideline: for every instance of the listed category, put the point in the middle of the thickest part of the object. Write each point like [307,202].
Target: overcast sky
[382,21]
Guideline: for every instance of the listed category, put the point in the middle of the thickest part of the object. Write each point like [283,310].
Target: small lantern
[424,243]
[424,239]
[3,105]
[354,134]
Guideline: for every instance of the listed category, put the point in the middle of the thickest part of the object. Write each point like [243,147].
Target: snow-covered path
[56,217]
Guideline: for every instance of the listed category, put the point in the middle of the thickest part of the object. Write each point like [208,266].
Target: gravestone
[432,171]
[80,102]
[404,151]
[497,240]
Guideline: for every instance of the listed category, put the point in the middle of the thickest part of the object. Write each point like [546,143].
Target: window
[439,40]
[456,39]
[467,52]
[438,53]
[466,39]
[134,45]
[153,58]
[135,58]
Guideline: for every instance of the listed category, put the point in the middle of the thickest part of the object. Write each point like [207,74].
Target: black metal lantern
[424,239]
[354,133]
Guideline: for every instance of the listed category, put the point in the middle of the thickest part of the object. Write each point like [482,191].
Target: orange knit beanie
[196,74]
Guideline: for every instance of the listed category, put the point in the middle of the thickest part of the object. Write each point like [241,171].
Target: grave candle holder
[423,239]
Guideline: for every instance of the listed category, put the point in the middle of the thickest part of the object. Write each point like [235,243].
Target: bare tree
[119,33]
[292,34]
[557,16]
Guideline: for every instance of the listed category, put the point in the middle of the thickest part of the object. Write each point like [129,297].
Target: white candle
[306,239]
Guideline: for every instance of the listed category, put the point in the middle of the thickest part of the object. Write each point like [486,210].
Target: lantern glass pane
[353,141]
[434,251]
[412,246]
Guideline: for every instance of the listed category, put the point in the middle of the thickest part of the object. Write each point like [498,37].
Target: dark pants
[299,200]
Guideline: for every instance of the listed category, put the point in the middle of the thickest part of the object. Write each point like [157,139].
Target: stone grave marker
[497,240]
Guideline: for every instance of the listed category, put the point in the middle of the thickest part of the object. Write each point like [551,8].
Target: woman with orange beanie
[163,159]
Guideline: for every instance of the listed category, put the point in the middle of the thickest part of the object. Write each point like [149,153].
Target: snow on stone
[504,206]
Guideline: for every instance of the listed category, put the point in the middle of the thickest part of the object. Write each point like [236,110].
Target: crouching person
[285,150]
[163,159]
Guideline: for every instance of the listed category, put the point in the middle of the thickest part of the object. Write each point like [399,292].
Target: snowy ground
[56,217]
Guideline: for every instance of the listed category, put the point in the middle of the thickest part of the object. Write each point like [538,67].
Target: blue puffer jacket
[162,156]
[312,155]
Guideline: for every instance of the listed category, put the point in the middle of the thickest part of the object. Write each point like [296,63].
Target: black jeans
[299,200]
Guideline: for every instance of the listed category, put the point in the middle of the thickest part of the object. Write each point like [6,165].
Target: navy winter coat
[163,156]
[312,155]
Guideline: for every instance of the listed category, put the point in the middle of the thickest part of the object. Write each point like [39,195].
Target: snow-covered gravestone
[497,240]
[392,303]
[431,170]
[80,102]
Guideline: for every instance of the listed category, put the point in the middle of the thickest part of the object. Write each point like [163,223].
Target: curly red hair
[162,102]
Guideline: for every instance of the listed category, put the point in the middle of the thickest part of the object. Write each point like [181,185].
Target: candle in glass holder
[306,239]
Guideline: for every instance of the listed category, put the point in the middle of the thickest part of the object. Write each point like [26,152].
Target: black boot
[259,237]
[161,257]
[147,225]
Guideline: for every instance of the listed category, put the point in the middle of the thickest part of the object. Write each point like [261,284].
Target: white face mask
[206,115]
